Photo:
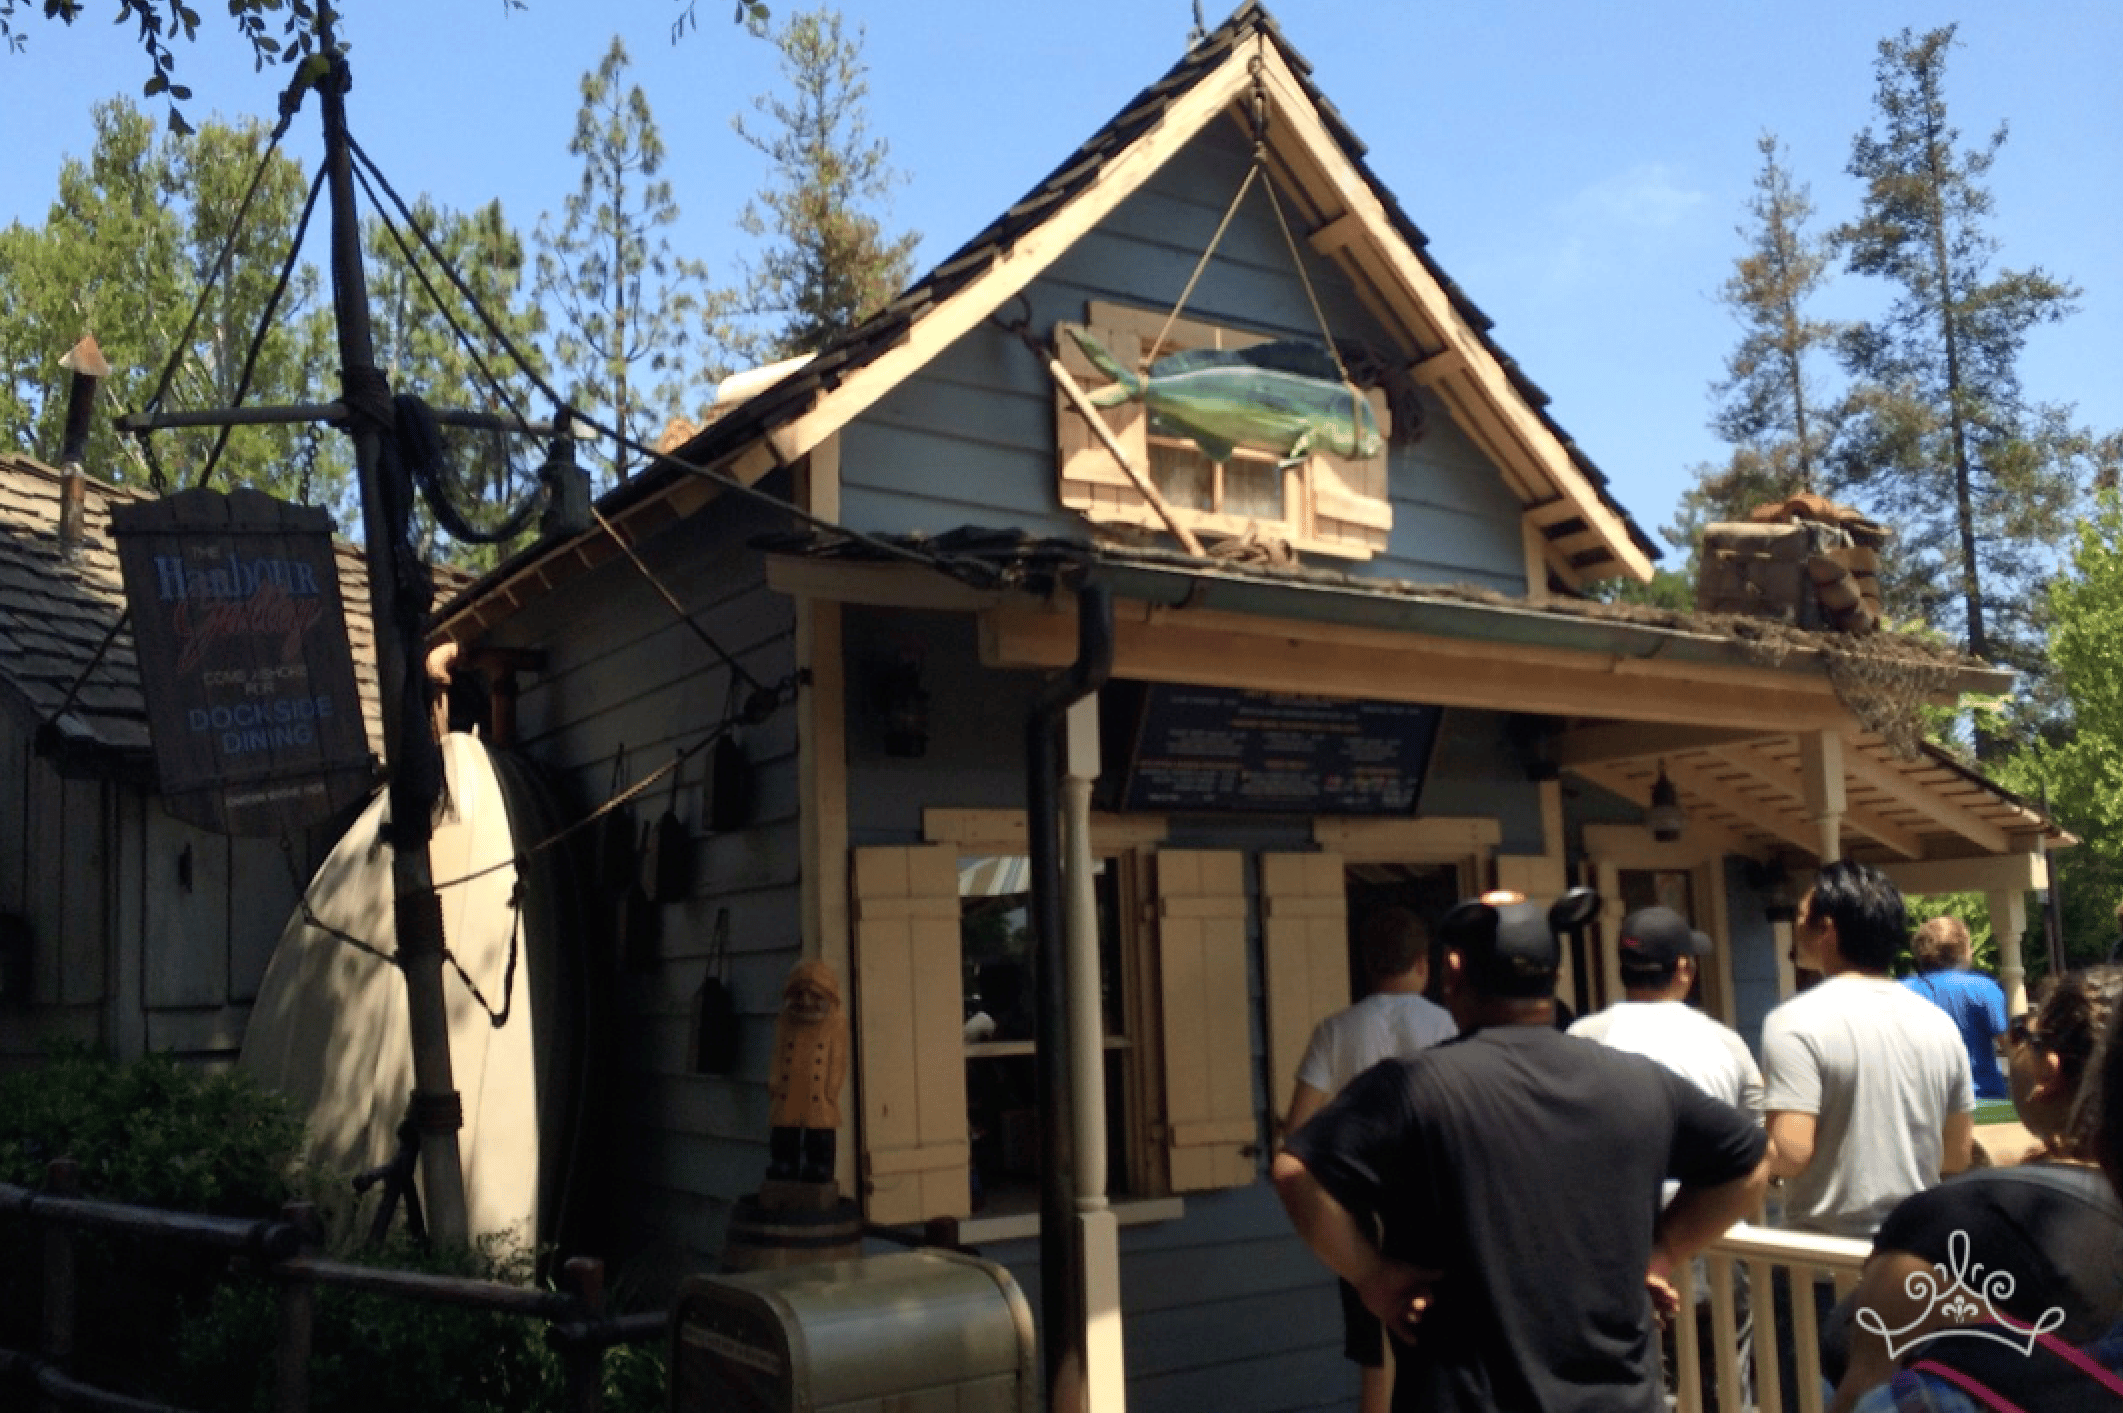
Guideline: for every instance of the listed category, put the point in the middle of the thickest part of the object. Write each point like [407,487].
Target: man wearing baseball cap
[1659,954]
[1511,1174]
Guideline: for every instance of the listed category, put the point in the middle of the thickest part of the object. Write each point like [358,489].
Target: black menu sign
[1214,748]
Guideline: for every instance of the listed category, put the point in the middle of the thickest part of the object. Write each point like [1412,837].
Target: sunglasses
[2022,1031]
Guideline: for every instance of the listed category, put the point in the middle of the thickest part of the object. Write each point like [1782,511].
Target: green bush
[372,1351]
[152,1133]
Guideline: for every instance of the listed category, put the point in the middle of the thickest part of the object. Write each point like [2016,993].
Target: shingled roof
[61,607]
[775,425]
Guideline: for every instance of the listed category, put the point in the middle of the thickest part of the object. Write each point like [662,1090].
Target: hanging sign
[1213,748]
[242,641]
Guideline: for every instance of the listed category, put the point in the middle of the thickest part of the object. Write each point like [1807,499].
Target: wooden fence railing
[576,1323]
[1761,1252]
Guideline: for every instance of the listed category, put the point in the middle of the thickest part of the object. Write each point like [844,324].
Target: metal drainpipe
[1061,1274]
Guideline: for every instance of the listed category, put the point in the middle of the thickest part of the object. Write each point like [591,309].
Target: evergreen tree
[123,254]
[626,304]
[446,355]
[1944,444]
[830,265]
[1768,405]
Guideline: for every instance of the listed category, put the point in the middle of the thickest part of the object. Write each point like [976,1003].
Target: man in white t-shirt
[1394,1020]
[1868,1094]
[1867,1088]
[1659,954]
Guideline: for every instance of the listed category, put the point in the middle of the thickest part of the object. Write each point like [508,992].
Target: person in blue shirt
[1975,1002]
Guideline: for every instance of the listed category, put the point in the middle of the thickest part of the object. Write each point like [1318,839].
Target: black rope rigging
[290,105]
[265,325]
[420,439]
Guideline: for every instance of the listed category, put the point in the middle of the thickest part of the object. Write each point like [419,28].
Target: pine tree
[830,266]
[626,304]
[1944,444]
[453,361]
[1768,405]
[123,254]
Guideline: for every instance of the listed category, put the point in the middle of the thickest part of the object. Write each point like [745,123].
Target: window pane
[1183,475]
[1253,488]
[995,902]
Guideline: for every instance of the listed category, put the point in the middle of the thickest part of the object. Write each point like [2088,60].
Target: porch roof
[1725,703]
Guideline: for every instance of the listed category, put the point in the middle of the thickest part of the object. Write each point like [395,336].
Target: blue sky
[1580,169]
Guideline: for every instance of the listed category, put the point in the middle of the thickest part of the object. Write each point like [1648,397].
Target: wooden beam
[1867,768]
[1195,645]
[1786,781]
[1620,741]
[1434,839]
[1351,194]
[1992,873]
[875,584]
[1762,814]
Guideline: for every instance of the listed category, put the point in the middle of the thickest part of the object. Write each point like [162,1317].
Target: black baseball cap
[1505,943]
[1654,940]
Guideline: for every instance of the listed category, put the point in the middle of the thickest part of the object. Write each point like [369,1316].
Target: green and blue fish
[1286,397]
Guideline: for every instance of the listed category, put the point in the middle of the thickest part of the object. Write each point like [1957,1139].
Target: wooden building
[119,926]
[1430,594]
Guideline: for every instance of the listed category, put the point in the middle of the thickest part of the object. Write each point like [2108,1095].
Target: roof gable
[1347,216]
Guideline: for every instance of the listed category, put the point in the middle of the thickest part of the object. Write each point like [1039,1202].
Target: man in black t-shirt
[1515,1174]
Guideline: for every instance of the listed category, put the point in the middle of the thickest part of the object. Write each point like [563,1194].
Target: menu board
[1214,748]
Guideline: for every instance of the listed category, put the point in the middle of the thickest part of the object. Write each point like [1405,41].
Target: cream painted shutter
[1305,956]
[1211,1128]
[1091,480]
[1352,508]
[910,1038]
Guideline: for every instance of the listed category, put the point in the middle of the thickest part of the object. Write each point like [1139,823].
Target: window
[944,1018]
[1002,1014]
[1323,503]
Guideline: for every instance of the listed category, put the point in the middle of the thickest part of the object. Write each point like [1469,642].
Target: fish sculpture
[1286,397]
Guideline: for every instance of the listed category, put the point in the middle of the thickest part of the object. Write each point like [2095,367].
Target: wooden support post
[1821,773]
[583,1278]
[61,1279]
[2008,923]
[298,1317]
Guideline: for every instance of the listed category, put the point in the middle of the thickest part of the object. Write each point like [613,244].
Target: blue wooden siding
[1224,1308]
[970,440]
[623,672]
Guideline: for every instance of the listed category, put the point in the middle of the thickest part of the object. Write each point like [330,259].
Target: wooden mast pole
[436,1106]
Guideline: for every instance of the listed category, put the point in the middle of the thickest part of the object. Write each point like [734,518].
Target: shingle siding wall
[970,439]
[622,673]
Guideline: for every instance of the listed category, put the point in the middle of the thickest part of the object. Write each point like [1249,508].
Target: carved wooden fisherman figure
[810,1064]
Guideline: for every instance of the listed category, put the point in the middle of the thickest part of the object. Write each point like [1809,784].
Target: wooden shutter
[1352,512]
[1211,1127]
[909,1027]
[1304,956]
[1091,480]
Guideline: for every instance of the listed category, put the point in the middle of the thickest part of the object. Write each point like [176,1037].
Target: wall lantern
[1666,817]
[1780,899]
[903,708]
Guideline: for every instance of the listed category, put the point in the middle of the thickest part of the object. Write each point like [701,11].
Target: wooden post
[1099,429]
[1821,773]
[298,1314]
[61,1286]
[2008,923]
[436,1105]
[583,1278]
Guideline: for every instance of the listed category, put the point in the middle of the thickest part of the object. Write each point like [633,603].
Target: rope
[736,667]
[67,704]
[290,104]
[420,438]
[265,325]
[390,227]
[1208,254]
